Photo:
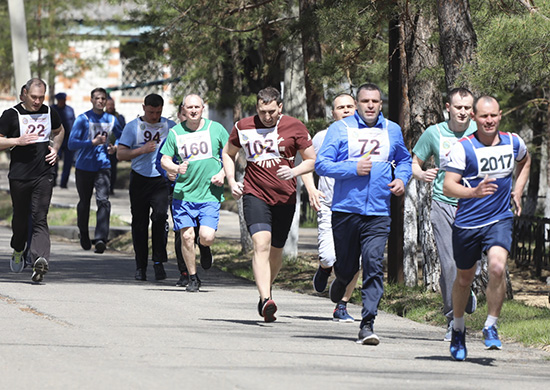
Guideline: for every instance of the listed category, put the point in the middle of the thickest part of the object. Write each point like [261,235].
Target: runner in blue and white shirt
[90,136]
[366,155]
[149,190]
[480,174]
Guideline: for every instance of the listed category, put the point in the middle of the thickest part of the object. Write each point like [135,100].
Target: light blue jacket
[365,195]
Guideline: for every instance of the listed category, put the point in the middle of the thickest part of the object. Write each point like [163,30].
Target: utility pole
[19,44]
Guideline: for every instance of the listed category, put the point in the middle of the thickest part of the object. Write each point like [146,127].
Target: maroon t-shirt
[260,177]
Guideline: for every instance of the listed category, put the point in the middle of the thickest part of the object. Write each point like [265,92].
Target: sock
[490,321]
[458,324]
[341,302]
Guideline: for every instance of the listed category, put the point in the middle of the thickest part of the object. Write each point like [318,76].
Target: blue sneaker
[458,345]
[341,314]
[492,340]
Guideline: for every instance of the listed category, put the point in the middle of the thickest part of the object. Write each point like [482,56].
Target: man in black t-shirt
[33,133]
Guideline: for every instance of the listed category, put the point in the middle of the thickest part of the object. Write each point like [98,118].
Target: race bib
[151,132]
[39,124]
[445,145]
[195,146]
[103,129]
[373,142]
[495,161]
[260,144]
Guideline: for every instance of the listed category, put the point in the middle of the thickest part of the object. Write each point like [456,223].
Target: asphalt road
[91,326]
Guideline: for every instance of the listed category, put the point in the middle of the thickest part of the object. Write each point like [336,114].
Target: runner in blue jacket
[366,155]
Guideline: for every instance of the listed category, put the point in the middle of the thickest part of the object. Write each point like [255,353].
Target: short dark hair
[99,89]
[369,87]
[340,95]
[461,91]
[154,100]
[485,98]
[268,95]
[31,82]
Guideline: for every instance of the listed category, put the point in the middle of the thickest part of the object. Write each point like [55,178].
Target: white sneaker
[39,269]
[17,262]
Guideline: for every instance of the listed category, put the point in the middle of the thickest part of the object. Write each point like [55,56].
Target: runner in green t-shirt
[437,141]
[197,144]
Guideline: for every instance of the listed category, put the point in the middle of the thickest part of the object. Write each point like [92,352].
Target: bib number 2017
[491,164]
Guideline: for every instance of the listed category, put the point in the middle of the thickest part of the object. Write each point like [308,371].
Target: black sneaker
[183,280]
[337,290]
[267,309]
[85,242]
[367,335]
[206,257]
[160,273]
[320,279]
[471,306]
[194,283]
[39,269]
[100,246]
[141,274]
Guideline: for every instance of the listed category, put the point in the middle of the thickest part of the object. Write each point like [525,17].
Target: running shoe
[39,269]
[100,246]
[337,290]
[17,261]
[267,309]
[449,333]
[490,336]
[160,273]
[85,242]
[320,279]
[141,274]
[367,335]
[471,306]
[341,314]
[206,257]
[194,284]
[458,345]
[183,280]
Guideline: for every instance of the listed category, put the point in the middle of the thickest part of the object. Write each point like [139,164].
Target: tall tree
[315,98]
[421,56]
[457,37]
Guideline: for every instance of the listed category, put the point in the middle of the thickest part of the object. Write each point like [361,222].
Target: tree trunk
[425,109]
[311,48]
[240,163]
[294,105]
[457,38]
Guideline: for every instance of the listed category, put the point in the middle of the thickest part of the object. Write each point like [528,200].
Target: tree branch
[248,6]
[532,9]
[532,101]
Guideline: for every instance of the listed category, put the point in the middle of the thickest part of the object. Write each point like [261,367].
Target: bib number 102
[257,148]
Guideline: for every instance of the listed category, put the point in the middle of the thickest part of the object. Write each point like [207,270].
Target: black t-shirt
[27,162]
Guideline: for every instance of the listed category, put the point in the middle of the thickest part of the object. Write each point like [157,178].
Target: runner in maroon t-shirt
[270,142]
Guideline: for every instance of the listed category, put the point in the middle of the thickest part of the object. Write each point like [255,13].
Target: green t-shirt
[202,148]
[437,141]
